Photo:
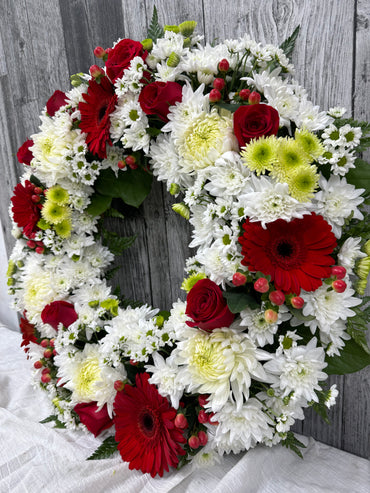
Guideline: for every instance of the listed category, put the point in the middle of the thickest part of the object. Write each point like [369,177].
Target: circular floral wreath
[269,187]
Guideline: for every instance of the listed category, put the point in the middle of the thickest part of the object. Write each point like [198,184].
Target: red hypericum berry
[118,385]
[45,378]
[181,421]
[203,438]
[223,65]
[261,285]
[131,162]
[31,244]
[35,199]
[96,71]
[51,342]
[194,442]
[244,94]
[203,399]
[181,404]
[214,96]
[203,416]
[40,250]
[45,371]
[121,164]
[38,190]
[239,279]
[99,52]
[40,243]
[29,186]
[48,353]
[338,271]
[219,83]
[133,363]
[254,97]
[277,297]
[54,352]
[297,302]
[339,286]
[271,316]
[38,364]
[45,343]
[211,421]
[108,50]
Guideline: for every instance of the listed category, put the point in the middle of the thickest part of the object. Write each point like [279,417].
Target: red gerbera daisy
[26,213]
[95,121]
[28,333]
[145,431]
[295,254]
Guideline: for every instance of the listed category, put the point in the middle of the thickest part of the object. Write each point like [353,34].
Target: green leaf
[116,244]
[111,272]
[36,181]
[239,300]
[105,450]
[132,186]
[112,212]
[352,358]
[228,106]
[53,417]
[288,45]
[360,175]
[293,443]
[155,31]
[99,204]
[299,315]
[357,326]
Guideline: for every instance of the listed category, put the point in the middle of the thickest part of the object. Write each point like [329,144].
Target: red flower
[56,101]
[28,332]
[119,57]
[253,121]
[95,421]
[26,213]
[59,312]
[100,102]
[24,155]
[157,97]
[295,254]
[145,431]
[206,305]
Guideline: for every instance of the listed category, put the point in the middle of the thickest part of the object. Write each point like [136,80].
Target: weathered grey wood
[42,43]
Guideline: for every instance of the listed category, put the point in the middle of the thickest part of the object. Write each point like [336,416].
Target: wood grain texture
[42,43]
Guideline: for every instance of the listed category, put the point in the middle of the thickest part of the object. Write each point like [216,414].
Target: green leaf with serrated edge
[352,358]
[111,272]
[105,450]
[50,418]
[238,301]
[132,186]
[36,181]
[293,443]
[288,45]
[320,407]
[360,175]
[155,31]
[117,244]
[228,106]
[99,204]
[112,212]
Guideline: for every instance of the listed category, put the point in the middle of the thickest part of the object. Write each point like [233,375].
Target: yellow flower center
[207,359]
[88,374]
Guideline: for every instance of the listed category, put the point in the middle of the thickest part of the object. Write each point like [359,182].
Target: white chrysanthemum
[326,306]
[241,428]
[298,370]
[228,175]
[332,396]
[337,111]
[206,457]
[221,364]
[348,254]
[176,323]
[216,264]
[269,201]
[260,331]
[98,255]
[336,201]
[204,61]
[164,73]
[171,43]
[203,227]
[87,376]
[136,137]
[164,373]
[75,96]
[283,411]
[342,162]
[351,135]
[333,338]
[310,117]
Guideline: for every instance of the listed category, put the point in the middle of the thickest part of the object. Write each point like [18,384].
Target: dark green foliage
[293,443]
[288,45]
[155,31]
[105,450]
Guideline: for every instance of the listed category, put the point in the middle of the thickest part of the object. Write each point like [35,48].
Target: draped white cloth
[35,457]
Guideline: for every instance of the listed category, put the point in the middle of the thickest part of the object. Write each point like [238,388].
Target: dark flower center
[287,253]
[148,424]
[284,249]
[102,112]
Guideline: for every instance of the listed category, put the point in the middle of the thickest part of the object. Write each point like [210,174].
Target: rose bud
[338,271]
[223,65]
[297,302]
[239,279]
[339,286]
[277,297]
[254,121]
[261,285]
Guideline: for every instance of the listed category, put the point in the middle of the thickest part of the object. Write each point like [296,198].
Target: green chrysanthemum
[63,229]
[303,182]
[189,282]
[260,155]
[310,144]
[54,213]
[58,194]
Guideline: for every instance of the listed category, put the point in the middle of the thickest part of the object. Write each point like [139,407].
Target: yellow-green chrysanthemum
[58,194]
[54,213]
[63,229]
[290,156]
[303,182]
[42,224]
[260,155]
[363,268]
[310,144]
[189,282]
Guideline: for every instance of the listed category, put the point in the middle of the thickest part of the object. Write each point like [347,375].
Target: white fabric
[37,458]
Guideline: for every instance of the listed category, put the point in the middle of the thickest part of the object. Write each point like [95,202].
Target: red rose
[157,97]
[207,307]
[56,101]
[253,121]
[95,421]
[59,312]
[24,155]
[119,57]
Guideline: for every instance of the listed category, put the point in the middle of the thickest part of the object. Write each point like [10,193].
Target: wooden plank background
[43,42]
